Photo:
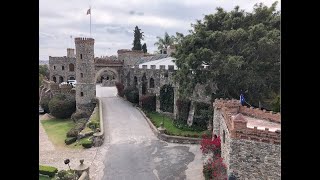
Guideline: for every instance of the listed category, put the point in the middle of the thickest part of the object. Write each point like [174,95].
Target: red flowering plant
[215,169]
[208,145]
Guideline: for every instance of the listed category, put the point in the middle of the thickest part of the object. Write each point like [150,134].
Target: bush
[93,125]
[79,115]
[148,102]
[47,170]
[44,103]
[87,143]
[120,88]
[62,105]
[132,94]
[202,115]
[70,140]
[183,107]
[80,124]
[66,175]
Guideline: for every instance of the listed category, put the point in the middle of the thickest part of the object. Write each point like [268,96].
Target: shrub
[70,140]
[93,125]
[80,124]
[132,94]
[183,107]
[62,105]
[202,115]
[148,102]
[47,170]
[44,103]
[120,88]
[87,143]
[208,145]
[215,169]
[79,115]
[66,175]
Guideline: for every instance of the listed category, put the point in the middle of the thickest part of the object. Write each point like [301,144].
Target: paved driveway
[132,152]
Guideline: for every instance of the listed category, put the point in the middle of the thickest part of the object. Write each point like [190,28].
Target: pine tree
[144,48]
[138,36]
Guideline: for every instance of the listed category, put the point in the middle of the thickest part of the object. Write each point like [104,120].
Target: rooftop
[261,124]
[164,61]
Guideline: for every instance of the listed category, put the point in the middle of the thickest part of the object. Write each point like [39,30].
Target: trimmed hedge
[44,103]
[62,105]
[93,125]
[47,170]
[87,143]
[148,102]
[80,124]
[120,88]
[79,115]
[132,94]
[70,140]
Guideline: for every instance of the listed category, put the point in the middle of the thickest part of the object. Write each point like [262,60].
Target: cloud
[113,22]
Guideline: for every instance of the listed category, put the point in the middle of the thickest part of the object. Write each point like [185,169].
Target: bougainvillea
[208,145]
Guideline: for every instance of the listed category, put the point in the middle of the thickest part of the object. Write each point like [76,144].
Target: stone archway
[107,76]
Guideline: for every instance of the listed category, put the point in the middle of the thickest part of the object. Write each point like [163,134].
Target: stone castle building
[250,140]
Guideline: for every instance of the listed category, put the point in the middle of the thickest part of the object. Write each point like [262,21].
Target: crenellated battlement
[239,126]
[83,40]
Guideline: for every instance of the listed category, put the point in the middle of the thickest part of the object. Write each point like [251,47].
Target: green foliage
[79,115]
[47,170]
[44,103]
[44,71]
[166,98]
[148,102]
[144,48]
[132,94]
[80,124]
[138,36]
[87,143]
[120,88]
[202,115]
[70,140]
[276,104]
[62,105]
[94,125]
[241,49]
[165,41]
[66,175]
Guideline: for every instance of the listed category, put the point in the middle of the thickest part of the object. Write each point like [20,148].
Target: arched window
[72,78]
[135,82]
[54,79]
[54,67]
[81,75]
[62,68]
[80,56]
[71,67]
[151,83]
[81,94]
[60,79]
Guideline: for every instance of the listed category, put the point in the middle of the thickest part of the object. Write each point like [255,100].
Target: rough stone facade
[249,153]
[129,57]
[63,68]
[85,87]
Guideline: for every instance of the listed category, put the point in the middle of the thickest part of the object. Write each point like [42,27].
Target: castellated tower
[85,74]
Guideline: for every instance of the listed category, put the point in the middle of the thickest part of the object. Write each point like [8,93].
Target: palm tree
[164,42]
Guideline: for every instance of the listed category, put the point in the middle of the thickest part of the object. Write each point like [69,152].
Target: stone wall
[129,57]
[255,160]
[249,153]
[55,68]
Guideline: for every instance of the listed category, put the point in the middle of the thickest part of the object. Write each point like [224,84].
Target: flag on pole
[89,11]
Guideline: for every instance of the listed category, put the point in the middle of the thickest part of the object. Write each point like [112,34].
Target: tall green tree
[241,49]
[165,41]
[144,48]
[138,36]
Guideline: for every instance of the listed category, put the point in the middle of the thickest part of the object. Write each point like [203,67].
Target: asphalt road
[135,153]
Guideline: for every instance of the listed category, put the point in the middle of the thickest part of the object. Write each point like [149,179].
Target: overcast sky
[113,21]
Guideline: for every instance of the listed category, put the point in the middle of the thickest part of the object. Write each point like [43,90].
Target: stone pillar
[81,168]
[175,98]
[158,102]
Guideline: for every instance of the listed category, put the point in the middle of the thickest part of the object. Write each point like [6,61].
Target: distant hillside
[42,62]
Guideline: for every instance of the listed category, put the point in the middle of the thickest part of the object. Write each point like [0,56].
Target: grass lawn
[57,130]
[156,119]
[44,177]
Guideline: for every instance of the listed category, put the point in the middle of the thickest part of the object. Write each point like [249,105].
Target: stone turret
[70,52]
[85,74]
